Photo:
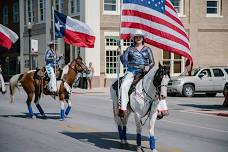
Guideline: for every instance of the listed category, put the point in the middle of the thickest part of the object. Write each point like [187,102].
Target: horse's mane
[146,83]
[149,76]
[65,70]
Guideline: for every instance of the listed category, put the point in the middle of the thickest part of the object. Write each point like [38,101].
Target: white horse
[143,102]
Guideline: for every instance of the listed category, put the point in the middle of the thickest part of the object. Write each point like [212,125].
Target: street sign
[34,46]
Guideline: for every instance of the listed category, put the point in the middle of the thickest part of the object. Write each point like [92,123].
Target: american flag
[159,22]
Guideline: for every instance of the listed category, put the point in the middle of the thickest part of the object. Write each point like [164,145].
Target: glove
[146,68]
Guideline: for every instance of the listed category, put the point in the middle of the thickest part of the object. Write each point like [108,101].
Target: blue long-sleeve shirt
[50,57]
[136,60]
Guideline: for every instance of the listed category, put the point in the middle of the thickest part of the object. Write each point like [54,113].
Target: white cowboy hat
[138,33]
[52,43]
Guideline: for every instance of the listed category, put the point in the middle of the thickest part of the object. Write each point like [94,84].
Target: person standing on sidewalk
[90,75]
[3,88]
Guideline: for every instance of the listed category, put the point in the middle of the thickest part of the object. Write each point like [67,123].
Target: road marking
[78,127]
[196,126]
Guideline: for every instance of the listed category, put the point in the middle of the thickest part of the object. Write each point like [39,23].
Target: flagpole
[53,26]
[118,56]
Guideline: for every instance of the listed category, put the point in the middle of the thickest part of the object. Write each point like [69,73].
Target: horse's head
[78,65]
[161,79]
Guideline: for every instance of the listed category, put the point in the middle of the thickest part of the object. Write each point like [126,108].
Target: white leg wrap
[62,105]
[162,105]
[69,103]
[2,83]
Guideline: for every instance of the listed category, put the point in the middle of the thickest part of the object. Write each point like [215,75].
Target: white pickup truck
[209,80]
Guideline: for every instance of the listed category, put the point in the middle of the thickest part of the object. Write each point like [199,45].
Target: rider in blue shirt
[51,60]
[137,59]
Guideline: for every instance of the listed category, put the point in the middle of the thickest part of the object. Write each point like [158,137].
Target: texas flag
[7,37]
[73,31]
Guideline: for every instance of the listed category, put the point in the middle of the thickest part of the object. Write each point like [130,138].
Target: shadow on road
[205,107]
[105,140]
[38,116]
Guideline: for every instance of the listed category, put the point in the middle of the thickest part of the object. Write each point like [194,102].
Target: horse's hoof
[66,116]
[124,142]
[33,117]
[140,149]
[61,119]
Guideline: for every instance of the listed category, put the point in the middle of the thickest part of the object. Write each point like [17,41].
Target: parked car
[209,80]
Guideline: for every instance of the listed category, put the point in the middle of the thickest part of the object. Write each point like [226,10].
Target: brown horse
[35,85]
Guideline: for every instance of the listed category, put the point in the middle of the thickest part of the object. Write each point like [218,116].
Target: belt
[136,66]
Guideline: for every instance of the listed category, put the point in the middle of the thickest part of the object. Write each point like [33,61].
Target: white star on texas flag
[58,26]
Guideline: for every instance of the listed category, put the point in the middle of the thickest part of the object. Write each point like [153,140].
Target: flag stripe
[157,24]
[5,41]
[146,12]
[172,49]
[151,20]
[154,31]
[171,12]
[75,25]
[9,33]
[157,38]
[79,39]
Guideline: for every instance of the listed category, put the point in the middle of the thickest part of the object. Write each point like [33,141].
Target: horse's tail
[13,83]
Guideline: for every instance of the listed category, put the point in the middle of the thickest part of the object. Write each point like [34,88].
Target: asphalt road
[91,126]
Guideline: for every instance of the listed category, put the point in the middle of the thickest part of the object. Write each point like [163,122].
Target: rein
[151,100]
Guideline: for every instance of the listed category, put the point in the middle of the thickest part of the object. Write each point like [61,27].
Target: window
[30,11]
[42,6]
[178,6]
[75,7]
[218,73]
[174,61]
[111,61]
[111,55]
[16,12]
[213,8]
[111,7]
[59,5]
[206,73]
[226,70]
[5,15]
[128,42]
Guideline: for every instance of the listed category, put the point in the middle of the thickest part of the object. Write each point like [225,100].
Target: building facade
[9,17]
[205,21]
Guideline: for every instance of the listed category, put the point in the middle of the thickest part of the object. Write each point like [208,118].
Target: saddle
[137,78]
[42,74]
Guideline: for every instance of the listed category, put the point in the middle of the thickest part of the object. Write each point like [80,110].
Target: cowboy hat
[138,33]
[52,43]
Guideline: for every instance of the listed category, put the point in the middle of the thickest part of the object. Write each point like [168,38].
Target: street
[190,127]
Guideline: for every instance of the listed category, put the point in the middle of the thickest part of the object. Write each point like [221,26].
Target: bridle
[73,68]
[158,88]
